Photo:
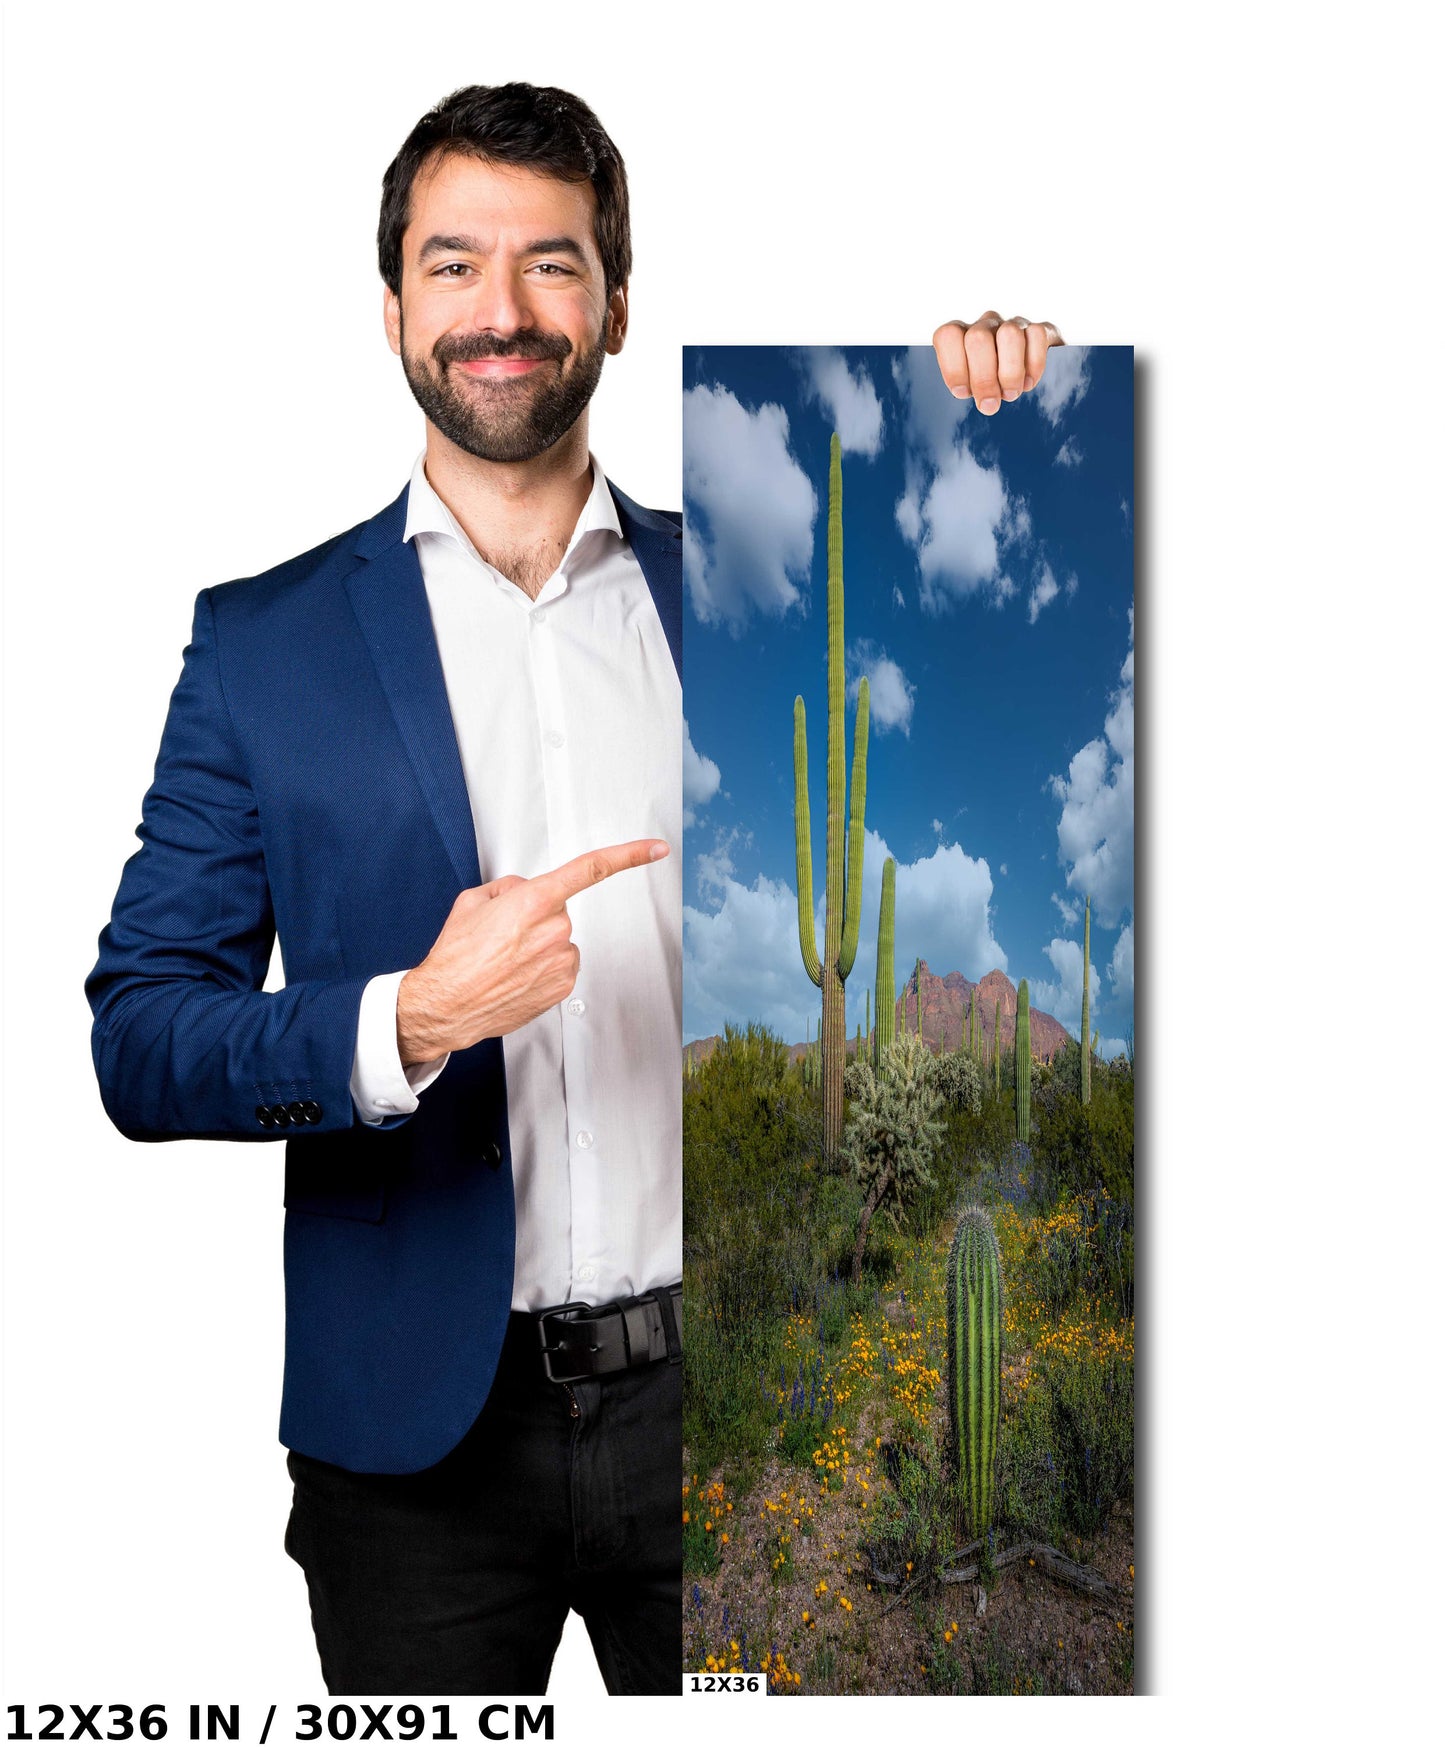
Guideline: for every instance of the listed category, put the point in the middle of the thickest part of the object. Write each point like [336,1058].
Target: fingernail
[657,852]
[959,393]
[989,405]
[1010,394]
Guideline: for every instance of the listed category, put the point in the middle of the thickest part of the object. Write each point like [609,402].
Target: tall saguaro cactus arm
[802,830]
[843,867]
[853,884]
[885,1004]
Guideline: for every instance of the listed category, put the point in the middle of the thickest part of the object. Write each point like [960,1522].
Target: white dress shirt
[568,716]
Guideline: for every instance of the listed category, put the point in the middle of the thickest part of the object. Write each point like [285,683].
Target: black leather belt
[587,1340]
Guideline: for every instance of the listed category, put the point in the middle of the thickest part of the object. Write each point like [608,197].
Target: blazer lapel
[657,542]
[389,599]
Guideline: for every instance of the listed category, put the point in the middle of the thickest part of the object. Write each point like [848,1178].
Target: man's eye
[551,267]
[453,269]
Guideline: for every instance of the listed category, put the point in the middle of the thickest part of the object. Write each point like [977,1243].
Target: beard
[509,419]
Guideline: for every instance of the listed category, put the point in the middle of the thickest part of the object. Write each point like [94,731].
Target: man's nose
[499,304]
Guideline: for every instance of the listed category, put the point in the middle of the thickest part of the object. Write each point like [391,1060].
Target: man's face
[503,321]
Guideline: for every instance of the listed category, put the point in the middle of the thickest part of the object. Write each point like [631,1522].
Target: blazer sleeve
[186,1042]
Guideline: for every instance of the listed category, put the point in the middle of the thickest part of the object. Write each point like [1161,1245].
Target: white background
[198,386]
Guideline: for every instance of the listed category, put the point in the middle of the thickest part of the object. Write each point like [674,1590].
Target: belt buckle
[575,1306]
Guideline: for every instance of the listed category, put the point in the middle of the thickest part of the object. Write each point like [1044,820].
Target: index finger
[599,864]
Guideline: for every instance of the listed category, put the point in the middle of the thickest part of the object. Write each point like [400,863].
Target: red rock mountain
[945,1014]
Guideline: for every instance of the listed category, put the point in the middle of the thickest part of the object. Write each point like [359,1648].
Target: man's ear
[617,318]
[391,315]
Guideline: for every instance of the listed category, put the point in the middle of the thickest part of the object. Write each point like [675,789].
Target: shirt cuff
[380,1086]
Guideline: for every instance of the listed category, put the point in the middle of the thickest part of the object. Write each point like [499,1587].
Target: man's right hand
[504,956]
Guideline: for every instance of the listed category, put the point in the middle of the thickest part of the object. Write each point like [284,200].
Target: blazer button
[281,1116]
[310,1110]
[264,1116]
[492,1154]
[297,1112]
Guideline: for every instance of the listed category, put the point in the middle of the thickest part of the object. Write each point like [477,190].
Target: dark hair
[537,126]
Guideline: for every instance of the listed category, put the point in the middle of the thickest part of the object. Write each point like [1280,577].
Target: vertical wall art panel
[909,1024]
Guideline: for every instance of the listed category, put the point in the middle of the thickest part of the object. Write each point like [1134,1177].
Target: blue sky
[988,576]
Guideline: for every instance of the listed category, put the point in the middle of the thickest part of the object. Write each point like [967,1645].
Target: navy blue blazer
[309,788]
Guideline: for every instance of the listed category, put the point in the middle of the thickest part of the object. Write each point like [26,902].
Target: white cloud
[700,778]
[1070,454]
[1047,589]
[848,396]
[1121,966]
[1096,826]
[937,827]
[956,513]
[1070,909]
[1064,996]
[890,691]
[742,961]
[748,540]
[1003,869]
[741,958]
[960,516]
[898,599]
[1065,380]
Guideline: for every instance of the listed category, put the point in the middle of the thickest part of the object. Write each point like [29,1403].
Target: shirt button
[584,1137]
[587,1272]
[555,739]
[577,1005]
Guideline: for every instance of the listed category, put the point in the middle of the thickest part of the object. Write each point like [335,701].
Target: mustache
[471,349]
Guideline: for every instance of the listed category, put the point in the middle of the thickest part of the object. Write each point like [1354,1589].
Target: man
[398,754]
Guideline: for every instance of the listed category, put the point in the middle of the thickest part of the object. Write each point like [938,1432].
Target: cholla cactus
[893,1134]
[975,1363]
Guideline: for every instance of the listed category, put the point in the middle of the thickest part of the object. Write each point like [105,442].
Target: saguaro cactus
[843,889]
[975,1363]
[1084,1035]
[885,1008]
[918,995]
[1023,1061]
[998,1046]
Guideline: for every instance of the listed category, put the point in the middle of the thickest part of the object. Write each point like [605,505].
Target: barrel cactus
[975,1363]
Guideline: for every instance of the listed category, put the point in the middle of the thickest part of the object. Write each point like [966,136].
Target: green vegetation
[816,1419]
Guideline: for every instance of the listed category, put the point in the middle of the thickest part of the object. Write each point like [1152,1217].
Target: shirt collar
[427,514]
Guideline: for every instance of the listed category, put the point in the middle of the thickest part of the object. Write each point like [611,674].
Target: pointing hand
[504,955]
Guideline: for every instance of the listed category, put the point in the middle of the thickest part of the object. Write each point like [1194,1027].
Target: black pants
[458,1580]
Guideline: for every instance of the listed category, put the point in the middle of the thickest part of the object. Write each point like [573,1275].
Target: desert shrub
[959,1082]
[751,1134]
[915,1520]
[1081,1148]
[1066,1451]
